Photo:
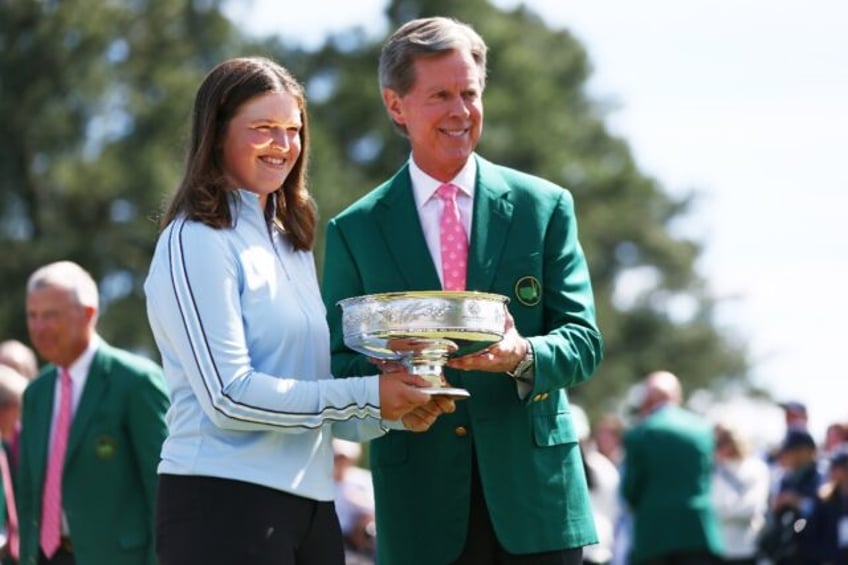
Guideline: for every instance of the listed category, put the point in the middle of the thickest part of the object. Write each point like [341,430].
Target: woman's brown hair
[203,194]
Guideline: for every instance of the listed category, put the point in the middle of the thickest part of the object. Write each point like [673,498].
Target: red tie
[453,241]
[51,502]
[11,508]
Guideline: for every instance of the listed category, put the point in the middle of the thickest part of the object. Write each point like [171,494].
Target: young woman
[233,301]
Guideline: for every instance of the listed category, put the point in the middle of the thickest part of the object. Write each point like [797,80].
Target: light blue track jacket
[239,321]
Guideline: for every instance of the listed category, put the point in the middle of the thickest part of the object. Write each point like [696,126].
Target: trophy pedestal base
[455,393]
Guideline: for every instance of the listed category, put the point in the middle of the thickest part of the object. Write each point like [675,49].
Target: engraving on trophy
[423,329]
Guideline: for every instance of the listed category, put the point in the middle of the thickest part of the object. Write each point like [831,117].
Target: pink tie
[51,502]
[453,241]
[11,508]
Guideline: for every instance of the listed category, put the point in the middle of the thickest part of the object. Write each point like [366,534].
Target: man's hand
[500,357]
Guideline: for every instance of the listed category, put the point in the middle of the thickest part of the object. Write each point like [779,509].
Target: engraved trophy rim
[423,329]
[444,294]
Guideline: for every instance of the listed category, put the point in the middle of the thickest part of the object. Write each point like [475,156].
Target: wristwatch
[524,365]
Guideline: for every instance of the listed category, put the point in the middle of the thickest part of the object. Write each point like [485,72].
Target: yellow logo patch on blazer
[528,291]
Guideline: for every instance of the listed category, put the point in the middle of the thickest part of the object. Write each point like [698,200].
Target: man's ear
[90,313]
[391,100]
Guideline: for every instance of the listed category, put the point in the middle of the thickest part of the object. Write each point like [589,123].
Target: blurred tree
[653,307]
[94,109]
[94,102]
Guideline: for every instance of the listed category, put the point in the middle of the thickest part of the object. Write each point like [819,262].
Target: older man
[501,479]
[93,426]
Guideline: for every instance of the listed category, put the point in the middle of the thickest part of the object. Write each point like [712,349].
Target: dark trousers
[482,546]
[212,521]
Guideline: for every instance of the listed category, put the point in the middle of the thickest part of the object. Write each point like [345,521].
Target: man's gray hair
[426,37]
[69,276]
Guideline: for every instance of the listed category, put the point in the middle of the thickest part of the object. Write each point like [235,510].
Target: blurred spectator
[835,437]
[796,418]
[12,385]
[354,503]
[801,480]
[603,480]
[825,539]
[796,496]
[607,434]
[18,356]
[668,461]
[622,532]
[740,491]
[795,414]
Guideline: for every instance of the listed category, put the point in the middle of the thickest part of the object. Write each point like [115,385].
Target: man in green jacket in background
[104,409]
[500,480]
[667,479]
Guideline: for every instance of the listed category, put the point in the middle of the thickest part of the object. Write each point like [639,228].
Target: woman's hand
[401,399]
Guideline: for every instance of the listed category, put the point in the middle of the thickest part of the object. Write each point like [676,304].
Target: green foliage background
[94,111]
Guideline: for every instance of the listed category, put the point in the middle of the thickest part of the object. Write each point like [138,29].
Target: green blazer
[666,482]
[109,481]
[524,238]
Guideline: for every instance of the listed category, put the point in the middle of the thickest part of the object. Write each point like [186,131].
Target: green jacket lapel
[95,387]
[39,424]
[491,220]
[397,218]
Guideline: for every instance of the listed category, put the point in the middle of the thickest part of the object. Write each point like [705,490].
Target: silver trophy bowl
[423,329]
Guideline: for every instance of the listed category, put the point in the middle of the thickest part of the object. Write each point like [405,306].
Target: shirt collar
[79,368]
[424,186]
